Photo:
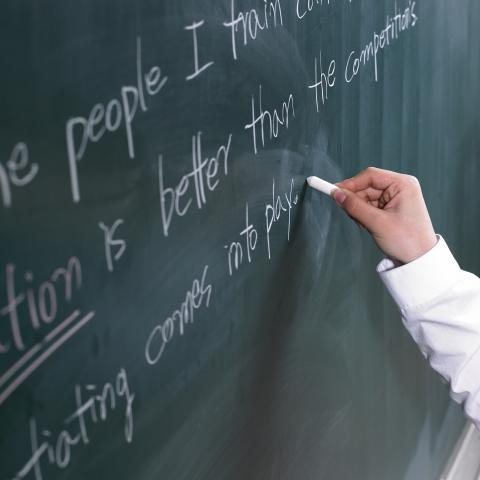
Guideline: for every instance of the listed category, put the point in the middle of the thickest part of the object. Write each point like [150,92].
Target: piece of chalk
[321,185]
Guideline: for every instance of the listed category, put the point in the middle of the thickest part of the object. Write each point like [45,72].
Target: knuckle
[412,181]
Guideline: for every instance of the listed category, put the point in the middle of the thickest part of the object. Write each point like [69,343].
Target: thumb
[359,209]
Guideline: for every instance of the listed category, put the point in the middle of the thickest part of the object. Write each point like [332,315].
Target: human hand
[391,207]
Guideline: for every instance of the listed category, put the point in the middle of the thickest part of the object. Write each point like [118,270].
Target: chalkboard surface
[174,303]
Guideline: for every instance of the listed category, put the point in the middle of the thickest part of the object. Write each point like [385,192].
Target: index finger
[369,178]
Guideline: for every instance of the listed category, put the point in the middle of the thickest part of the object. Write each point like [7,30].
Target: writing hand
[391,207]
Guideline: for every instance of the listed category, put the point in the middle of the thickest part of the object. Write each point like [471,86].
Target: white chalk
[321,185]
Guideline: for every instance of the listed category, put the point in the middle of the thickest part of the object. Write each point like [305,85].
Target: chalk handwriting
[203,178]
[250,22]
[40,302]
[306,6]
[269,122]
[111,242]
[118,112]
[235,251]
[93,406]
[325,82]
[164,332]
[275,210]
[18,172]
[35,309]
[197,69]
[396,25]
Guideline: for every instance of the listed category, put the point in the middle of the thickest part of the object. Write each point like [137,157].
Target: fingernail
[339,196]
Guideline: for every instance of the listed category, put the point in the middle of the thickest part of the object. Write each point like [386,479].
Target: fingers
[370,194]
[374,197]
[370,178]
[379,198]
[391,207]
[358,208]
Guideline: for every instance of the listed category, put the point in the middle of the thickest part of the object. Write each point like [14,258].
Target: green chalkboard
[174,303]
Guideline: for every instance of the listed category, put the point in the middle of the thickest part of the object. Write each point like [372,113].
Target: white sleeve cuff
[421,280]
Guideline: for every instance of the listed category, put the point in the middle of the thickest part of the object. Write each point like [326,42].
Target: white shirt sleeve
[440,306]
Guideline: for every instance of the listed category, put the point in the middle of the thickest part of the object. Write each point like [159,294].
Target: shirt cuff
[422,280]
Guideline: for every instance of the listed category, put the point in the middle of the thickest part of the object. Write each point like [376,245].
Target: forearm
[440,306]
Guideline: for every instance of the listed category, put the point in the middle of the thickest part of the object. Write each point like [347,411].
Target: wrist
[421,280]
[420,248]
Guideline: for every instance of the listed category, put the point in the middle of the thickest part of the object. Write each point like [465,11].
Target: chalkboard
[174,303]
